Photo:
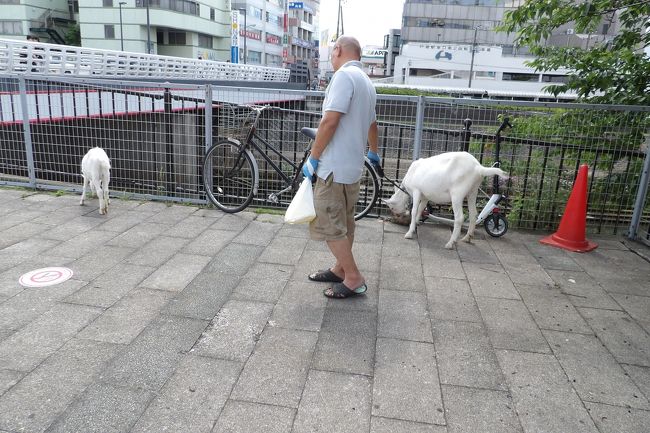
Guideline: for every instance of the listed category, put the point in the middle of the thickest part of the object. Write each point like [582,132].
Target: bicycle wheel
[368,192]
[228,176]
[496,225]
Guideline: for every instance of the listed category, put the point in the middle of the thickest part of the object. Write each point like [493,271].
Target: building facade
[181,28]
[48,20]
[455,43]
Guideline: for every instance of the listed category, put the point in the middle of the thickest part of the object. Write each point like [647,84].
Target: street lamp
[121,32]
[471,66]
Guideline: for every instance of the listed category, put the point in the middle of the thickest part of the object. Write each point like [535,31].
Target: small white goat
[445,178]
[96,171]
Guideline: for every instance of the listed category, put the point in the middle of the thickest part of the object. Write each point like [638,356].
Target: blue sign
[296,5]
[234,54]
[443,55]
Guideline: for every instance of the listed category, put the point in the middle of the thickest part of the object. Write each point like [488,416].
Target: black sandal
[341,291]
[325,276]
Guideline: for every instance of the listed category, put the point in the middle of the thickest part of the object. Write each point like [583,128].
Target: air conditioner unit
[570,31]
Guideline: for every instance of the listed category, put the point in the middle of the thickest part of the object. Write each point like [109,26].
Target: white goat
[96,171]
[448,177]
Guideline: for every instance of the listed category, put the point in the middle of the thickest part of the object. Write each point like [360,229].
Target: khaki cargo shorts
[334,203]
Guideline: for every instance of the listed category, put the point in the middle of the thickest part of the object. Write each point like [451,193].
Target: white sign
[373,52]
[234,37]
[45,277]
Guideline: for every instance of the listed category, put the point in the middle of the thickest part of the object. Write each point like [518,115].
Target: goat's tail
[491,171]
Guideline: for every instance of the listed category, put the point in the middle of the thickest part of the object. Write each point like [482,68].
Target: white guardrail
[26,57]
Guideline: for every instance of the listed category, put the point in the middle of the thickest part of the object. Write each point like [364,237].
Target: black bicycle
[230,170]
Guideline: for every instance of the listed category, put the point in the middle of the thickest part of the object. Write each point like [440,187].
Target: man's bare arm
[326,130]
[373,135]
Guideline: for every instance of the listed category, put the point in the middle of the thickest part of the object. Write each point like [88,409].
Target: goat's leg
[100,196]
[105,181]
[471,204]
[457,206]
[414,214]
[83,190]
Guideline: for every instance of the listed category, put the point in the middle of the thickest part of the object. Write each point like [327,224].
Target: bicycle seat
[309,132]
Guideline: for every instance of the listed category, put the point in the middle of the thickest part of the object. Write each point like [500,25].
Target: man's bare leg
[337,268]
[342,250]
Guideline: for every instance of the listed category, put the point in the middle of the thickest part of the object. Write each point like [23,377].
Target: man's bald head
[350,46]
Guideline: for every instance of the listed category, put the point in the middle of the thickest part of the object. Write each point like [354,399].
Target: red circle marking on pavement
[45,277]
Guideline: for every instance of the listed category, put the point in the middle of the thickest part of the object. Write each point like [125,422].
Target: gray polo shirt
[350,92]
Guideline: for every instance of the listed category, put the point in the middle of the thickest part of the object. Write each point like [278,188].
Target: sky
[367,20]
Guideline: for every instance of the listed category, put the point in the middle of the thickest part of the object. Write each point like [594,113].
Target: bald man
[348,125]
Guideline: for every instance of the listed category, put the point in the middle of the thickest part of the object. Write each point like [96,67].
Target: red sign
[250,35]
[273,39]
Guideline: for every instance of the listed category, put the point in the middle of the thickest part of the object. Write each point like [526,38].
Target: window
[160,37]
[108,3]
[485,75]
[177,38]
[11,28]
[511,76]
[254,57]
[9,2]
[255,12]
[109,31]
[205,41]
[212,14]
[555,78]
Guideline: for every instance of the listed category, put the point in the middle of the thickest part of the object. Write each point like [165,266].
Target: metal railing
[25,57]
[156,135]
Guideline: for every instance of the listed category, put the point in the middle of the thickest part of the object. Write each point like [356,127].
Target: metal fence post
[169,143]
[419,125]
[466,134]
[640,196]
[27,130]
[208,135]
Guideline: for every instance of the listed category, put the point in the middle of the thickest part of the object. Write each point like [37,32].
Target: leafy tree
[616,71]
[73,36]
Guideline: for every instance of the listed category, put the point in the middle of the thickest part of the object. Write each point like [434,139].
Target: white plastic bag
[301,209]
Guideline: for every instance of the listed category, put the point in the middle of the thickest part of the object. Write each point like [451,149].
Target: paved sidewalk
[179,319]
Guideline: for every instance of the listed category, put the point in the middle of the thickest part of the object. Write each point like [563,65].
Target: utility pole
[121,32]
[338,20]
[148,30]
[471,66]
[245,36]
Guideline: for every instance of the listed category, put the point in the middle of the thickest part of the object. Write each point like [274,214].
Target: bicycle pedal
[273,198]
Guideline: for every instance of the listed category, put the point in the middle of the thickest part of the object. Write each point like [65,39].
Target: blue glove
[309,169]
[374,158]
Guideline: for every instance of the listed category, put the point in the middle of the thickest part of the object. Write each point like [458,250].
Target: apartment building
[48,20]
[182,28]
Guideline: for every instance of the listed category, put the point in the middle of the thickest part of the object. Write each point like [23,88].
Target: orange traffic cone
[571,233]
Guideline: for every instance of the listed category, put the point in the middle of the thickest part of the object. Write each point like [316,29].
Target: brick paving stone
[465,356]
[522,268]
[638,307]
[301,306]
[234,331]
[138,235]
[394,245]
[123,222]
[442,263]
[543,396]
[33,343]
[176,274]
[552,309]
[103,408]
[433,237]
[125,319]
[552,258]
[615,419]
[193,397]
[96,262]
[43,394]
[404,315]
[510,326]
[111,286]
[626,340]
[582,290]
[82,244]
[451,299]
[157,252]
[245,417]
[264,282]
[334,402]
[234,222]
[284,250]
[277,370]
[172,215]
[203,297]
[72,228]
[489,280]
[210,242]
[367,256]
[9,378]
[190,227]
[406,382]
[640,376]
[479,251]
[389,425]
[235,259]
[21,232]
[479,410]
[401,273]
[9,285]
[151,359]
[257,233]
[593,371]
[346,342]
